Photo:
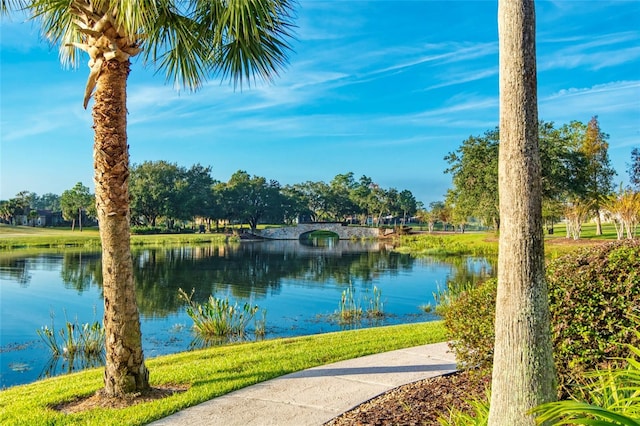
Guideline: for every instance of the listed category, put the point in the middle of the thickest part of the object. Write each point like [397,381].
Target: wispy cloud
[593,53]
[611,97]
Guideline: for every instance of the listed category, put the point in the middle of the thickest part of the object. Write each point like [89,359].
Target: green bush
[469,321]
[593,295]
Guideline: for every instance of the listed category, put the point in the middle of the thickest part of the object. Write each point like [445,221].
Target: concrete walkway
[315,396]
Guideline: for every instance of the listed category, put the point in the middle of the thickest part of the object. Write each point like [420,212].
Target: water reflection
[63,365]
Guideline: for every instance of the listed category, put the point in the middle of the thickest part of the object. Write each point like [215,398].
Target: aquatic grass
[48,336]
[349,309]
[206,373]
[426,307]
[260,327]
[445,297]
[84,340]
[218,318]
[376,306]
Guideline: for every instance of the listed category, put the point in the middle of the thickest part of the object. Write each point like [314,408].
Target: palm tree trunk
[523,370]
[125,371]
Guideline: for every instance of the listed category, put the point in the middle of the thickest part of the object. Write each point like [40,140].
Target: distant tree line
[165,191]
[166,195]
[577,180]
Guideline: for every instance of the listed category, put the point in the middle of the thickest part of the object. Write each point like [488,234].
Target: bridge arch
[295,232]
[325,233]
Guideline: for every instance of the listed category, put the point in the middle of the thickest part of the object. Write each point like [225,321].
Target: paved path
[315,396]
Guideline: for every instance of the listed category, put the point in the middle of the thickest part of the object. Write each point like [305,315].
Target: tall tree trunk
[523,370]
[125,371]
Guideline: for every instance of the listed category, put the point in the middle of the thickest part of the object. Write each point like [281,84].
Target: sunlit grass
[207,373]
[21,237]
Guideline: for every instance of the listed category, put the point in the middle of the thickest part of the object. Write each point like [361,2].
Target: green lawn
[207,373]
[19,237]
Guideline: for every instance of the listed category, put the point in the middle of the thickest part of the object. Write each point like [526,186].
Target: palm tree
[523,371]
[190,40]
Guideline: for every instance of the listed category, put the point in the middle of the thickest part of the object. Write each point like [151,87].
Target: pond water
[299,286]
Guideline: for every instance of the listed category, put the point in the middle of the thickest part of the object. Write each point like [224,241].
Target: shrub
[469,321]
[593,295]
[606,397]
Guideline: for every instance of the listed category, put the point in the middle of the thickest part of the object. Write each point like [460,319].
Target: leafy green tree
[563,177]
[152,188]
[342,203]
[238,39]
[294,205]
[48,201]
[316,195]
[74,202]
[407,204]
[599,173]
[474,168]
[253,198]
[17,206]
[198,199]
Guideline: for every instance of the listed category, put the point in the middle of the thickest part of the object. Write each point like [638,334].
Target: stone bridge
[343,232]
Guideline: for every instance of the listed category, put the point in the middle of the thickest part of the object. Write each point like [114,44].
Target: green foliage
[445,297]
[470,325]
[479,415]
[219,318]
[474,170]
[606,397]
[593,295]
[75,201]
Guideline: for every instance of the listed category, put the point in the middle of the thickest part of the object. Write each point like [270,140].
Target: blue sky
[378,88]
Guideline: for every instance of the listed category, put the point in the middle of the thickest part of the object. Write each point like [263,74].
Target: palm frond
[575,412]
[250,38]
[188,40]
[8,6]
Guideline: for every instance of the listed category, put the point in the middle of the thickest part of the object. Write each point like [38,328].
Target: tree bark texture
[523,369]
[125,371]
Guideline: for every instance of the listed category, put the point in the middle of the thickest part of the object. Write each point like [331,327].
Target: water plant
[86,340]
[349,309]
[260,328]
[445,297]
[218,318]
[376,306]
